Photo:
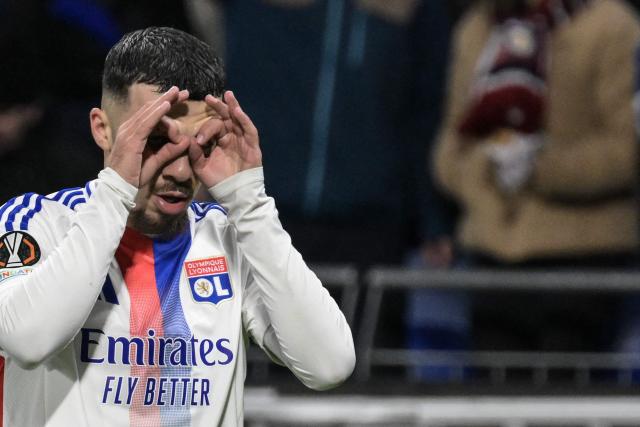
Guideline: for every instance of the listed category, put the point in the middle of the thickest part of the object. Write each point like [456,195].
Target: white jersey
[100,325]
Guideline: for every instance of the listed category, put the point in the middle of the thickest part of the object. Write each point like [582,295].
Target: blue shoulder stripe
[18,212]
[71,197]
[196,207]
[200,209]
[87,188]
[24,224]
[19,207]
[8,205]
[26,205]
[71,194]
[216,207]
[58,195]
[76,201]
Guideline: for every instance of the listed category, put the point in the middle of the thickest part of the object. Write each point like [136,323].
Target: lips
[172,202]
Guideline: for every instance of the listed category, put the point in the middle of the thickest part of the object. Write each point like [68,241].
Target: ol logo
[18,249]
[209,279]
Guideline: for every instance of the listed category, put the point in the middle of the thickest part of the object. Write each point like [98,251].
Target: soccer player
[125,303]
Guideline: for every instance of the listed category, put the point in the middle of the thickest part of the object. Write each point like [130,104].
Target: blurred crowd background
[433,134]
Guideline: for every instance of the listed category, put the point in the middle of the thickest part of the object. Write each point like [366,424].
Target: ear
[101,129]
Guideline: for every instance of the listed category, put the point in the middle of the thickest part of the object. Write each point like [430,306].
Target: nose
[179,169]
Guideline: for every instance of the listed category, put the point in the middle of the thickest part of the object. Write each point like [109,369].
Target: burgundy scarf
[509,88]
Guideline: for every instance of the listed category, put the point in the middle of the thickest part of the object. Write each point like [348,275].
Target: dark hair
[163,57]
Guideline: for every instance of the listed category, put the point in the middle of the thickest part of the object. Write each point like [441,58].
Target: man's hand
[438,253]
[126,156]
[226,145]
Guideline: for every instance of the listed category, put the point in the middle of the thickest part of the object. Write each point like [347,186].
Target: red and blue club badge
[209,279]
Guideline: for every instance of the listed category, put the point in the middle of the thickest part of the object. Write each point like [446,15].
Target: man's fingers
[154,161]
[183,95]
[170,96]
[133,121]
[195,153]
[219,107]
[143,121]
[231,100]
[147,123]
[209,133]
[149,111]
[172,150]
[241,118]
[173,131]
[173,95]
[172,128]
[242,123]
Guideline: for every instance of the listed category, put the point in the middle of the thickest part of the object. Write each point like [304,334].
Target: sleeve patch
[18,249]
[10,273]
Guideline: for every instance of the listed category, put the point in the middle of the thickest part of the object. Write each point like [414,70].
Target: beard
[153,223]
[162,227]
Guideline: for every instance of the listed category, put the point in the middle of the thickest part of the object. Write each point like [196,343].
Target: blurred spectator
[35,140]
[76,35]
[429,48]
[538,147]
[52,55]
[207,20]
[328,83]
[36,135]
[434,319]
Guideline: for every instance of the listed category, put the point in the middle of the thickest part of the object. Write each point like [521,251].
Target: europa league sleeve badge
[18,249]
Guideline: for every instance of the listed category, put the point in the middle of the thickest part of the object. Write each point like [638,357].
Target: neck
[165,230]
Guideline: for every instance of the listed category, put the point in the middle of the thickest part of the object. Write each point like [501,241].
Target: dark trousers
[551,321]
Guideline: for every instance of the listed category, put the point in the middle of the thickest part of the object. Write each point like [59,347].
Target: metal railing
[267,408]
[374,283]
[345,279]
[378,280]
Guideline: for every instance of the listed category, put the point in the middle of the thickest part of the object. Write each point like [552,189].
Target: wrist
[224,189]
[210,180]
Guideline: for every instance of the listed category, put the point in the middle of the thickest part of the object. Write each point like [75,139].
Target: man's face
[161,204]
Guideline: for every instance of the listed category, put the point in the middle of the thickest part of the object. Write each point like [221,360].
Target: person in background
[345,163]
[350,169]
[38,130]
[43,115]
[538,148]
[434,319]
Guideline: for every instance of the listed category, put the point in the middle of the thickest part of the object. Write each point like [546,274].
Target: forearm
[308,331]
[40,313]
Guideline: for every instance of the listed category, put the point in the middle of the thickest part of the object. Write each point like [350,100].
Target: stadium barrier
[378,280]
[266,408]
[345,284]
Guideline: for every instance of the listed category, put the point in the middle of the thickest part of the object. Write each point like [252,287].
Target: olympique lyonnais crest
[209,279]
[18,249]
